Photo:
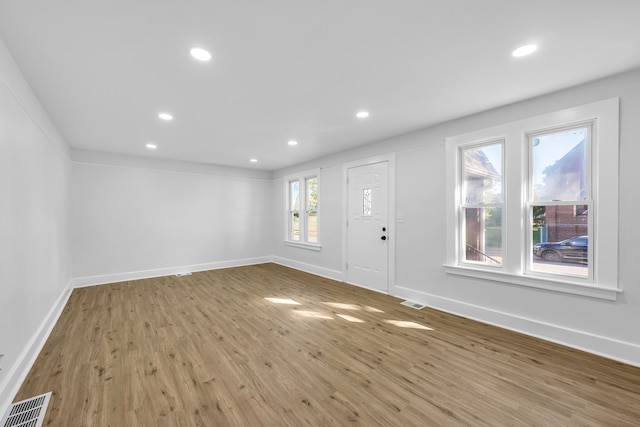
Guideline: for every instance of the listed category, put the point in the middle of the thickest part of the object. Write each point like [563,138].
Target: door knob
[383,238]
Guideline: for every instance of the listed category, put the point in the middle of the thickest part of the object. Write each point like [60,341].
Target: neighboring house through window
[534,202]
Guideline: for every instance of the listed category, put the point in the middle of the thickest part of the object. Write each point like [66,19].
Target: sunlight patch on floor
[406,324]
[283,301]
[350,318]
[312,314]
[343,306]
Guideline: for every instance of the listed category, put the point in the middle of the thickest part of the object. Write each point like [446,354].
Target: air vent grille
[27,413]
[412,304]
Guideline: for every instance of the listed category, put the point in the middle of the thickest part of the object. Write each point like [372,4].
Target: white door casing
[368,226]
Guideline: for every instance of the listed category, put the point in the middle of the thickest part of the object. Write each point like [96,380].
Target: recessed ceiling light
[151,146]
[292,143]
[253,160]
[200,54]
[524,50]
[165,116]
[362,114]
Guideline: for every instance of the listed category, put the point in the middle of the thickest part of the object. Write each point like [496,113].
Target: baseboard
[18,372]
[309,268]
[80,282]
[610,348]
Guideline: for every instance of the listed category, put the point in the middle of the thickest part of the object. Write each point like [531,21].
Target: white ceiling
[298,69]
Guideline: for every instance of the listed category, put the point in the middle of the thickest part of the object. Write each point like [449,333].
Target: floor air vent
[27,413]
[412,304]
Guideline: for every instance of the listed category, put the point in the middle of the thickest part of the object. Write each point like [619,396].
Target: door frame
[390,158]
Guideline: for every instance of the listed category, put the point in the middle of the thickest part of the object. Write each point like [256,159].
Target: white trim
[610,348]
[18,372]
[127,161]
[390,158]
[303,245]
[79,282]
[380,291]
[561,284]
[309,268]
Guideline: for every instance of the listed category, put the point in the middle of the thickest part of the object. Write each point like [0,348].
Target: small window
[366,202]
[312,210]
[294,210]
[302,211]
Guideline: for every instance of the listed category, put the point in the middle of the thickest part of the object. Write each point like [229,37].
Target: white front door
[368,226]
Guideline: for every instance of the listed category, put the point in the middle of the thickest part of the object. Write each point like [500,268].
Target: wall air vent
[27,413]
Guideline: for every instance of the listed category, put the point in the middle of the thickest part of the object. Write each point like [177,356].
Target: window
[366,202]
[302,210]
[312,209]
[481,207]
[535,202]
[559,199]
[294,211]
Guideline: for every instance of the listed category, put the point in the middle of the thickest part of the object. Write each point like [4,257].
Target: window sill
[310,246]
[566,286]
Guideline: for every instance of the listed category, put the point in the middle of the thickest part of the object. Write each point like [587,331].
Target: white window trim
[604,164]
[301,177]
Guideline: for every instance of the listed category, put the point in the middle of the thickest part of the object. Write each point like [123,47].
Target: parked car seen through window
[574,249]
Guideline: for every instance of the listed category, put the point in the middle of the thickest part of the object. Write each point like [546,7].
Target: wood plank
[211,349]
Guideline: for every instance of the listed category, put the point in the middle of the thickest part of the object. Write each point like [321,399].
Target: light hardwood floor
[212,349]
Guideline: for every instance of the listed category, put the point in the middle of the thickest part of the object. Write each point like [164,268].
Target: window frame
[308,209]
[303,209]
[463,205]
[291,211]
[590,126]
[603,161]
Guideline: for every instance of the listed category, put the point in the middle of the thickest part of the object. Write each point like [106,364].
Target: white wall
[604,327]
[35,267]
[138,217]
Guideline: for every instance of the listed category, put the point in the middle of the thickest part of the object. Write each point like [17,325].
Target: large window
[302,209]
[559,200]
[535,202]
